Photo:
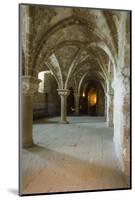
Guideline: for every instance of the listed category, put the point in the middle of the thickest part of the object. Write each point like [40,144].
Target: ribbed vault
[79,46]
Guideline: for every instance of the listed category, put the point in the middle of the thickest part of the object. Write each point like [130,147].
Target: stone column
[77,97]
[122,123]
[29,85]
[106,106]
[109,97]
[109,109]
[63,95]
[126,135]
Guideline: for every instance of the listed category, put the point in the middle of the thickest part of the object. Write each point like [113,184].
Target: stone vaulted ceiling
[72,41]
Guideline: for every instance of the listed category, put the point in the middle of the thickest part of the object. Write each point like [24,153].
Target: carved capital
[29,85]
[63,92]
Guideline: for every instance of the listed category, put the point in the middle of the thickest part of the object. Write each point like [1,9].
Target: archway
[92,100]
[46,99]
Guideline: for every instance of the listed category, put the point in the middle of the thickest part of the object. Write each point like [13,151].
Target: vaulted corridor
[75,99]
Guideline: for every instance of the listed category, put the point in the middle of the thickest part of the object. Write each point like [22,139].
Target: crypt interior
[75,99]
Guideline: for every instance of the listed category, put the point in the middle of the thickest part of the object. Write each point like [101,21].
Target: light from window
[41,76]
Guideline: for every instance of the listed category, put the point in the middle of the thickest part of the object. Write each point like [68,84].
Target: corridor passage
[70,157]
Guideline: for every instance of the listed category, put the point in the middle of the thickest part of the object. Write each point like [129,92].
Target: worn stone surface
[75,156]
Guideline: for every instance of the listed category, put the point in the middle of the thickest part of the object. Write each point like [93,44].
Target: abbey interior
[75,99]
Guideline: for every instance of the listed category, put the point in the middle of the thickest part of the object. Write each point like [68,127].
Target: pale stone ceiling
[79,39]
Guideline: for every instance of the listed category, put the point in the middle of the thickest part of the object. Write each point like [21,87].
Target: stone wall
[101,102]
[47,103]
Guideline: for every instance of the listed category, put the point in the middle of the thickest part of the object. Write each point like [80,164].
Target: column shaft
[29,86]
[76,104]
[122,123]
[110,110]
[63,108]
[27,114]
[63,95]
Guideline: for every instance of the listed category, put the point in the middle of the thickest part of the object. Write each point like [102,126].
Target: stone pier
[29,87]
[63,96]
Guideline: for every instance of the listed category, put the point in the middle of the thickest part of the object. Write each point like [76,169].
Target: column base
[28,145]
[110,125]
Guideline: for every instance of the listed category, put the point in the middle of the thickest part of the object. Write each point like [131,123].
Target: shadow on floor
[71,170]
[72,120]
[46,121]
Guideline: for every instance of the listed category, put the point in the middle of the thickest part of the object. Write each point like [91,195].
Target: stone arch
[95,75]
[66,22]
[107,50]
[93,83]
[111,20]
[67,43]
[60,83]
[86,60]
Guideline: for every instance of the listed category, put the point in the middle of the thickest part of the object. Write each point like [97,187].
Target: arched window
[41,76]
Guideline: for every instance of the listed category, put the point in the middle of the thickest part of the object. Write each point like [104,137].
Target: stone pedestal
[63,96]
[29,85]
[77,96]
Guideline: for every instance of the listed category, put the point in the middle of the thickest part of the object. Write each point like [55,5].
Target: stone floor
[70,157]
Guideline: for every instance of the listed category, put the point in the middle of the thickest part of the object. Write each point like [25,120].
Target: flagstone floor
[70,157]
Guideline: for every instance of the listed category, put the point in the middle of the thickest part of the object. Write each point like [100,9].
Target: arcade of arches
[75,79]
